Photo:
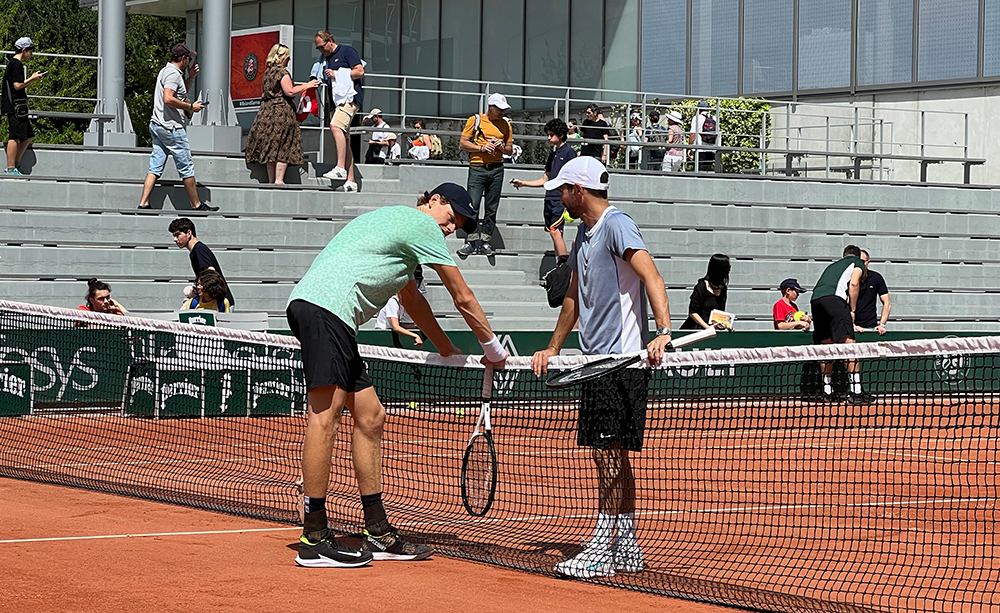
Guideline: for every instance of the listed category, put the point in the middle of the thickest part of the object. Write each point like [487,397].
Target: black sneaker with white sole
[328,552]
[392,546]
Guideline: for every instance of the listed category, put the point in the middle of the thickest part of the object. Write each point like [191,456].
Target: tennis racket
[599,368]
[479,464]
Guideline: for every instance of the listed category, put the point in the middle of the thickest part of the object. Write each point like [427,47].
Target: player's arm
[472,312]
[854,288]
[642,264]
[568,315]
[886,308]
[416,305]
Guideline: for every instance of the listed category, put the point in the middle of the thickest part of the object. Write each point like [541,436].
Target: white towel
[343,87]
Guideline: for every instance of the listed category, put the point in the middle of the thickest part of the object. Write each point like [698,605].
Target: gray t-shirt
[167,116]
[611,297]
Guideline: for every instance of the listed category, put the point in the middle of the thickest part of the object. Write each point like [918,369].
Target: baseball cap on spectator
[182,50]
[461,203]
[499,101]
[791,284]
[390,136]
[584,171]
[636,116]
[374,113]
[24,43]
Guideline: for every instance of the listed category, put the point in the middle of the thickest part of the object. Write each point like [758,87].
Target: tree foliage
[61,26]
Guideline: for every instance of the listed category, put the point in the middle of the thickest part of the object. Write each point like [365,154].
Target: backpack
[657,134]
[435,146]
[463,155]
[709,130]
[556,284]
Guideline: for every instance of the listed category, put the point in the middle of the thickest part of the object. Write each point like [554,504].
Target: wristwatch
[664,331]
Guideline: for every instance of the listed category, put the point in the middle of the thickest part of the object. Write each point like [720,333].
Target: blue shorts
[554,214]
[170,142]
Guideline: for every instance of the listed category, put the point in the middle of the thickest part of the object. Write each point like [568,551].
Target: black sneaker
[205,208]
[862,398]
[469,248]
[329,553]
[486,249]
[392,546]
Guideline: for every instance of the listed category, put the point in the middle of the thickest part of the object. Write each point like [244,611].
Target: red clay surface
[241,571]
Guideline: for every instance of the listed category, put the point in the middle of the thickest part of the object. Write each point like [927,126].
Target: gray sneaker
[469,248]
[486,249]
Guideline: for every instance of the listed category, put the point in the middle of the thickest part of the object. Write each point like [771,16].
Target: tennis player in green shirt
[365,264]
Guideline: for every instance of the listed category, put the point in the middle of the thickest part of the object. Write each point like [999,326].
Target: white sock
[604,530]
[626,528]
[855,382]
[827,385]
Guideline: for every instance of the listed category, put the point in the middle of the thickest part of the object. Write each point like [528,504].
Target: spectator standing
[15,104]
[378,145]
[486,137]
[574,134]
[202,258]
[210,293]
[99,299]
[595,128]
[705,131]
[343,72]
[171,110]
[553,213]
[635,135]
[275,138]
[674,158]
[710,293]
[655,133]
[784,310]
[872,290]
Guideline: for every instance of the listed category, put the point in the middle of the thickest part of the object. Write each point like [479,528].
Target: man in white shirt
[378,145]
[705,131]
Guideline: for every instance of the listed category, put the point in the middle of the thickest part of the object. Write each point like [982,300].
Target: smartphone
[204,102]
[44,73]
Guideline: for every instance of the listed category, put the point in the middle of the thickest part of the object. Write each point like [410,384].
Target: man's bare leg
[325,407]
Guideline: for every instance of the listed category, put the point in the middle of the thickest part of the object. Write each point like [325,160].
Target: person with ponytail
[99,299]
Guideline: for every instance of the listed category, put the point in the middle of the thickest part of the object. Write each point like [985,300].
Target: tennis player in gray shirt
[613,274]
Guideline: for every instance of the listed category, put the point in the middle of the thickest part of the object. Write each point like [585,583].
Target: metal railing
[791,136]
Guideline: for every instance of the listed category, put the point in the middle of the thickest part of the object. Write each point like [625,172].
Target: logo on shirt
[250,66]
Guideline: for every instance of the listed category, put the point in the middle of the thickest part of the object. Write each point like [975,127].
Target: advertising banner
[248,60]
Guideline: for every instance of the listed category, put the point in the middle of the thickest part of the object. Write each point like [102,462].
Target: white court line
[125,536]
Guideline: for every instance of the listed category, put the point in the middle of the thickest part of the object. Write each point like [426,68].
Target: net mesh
[749,490]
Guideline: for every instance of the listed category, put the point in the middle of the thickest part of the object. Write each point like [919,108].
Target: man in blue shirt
[335,57]
[557,130]
[613,274]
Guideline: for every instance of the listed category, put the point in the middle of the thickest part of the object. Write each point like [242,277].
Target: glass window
[885,42]
[664,46]
[948,39]
[460,53]
[503,41]
[276,13]
[304,54]
[621,45]
[343,19]
[246,16]
[824,43]
[381,52]
[768,34]
[419,32]
[714,53]
[991,39]
[586,48]
[547,34]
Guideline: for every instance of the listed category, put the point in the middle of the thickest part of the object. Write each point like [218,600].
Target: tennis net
[751,490]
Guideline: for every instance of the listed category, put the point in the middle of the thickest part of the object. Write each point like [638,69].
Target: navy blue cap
[790,284]
[461,203]
[702,104]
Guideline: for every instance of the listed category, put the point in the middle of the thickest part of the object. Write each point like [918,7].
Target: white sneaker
[350,186]
[628,558]
[335,174]
[589,563]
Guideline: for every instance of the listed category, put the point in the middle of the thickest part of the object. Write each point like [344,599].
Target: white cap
[499,101]
[23,43]
[674,115]
[390,136]
[375,112]
[584,171]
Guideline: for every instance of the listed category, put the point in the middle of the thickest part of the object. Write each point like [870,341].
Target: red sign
[248,60]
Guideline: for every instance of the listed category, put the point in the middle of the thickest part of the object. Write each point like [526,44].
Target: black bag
[20,105]
[556,283]
[709,130]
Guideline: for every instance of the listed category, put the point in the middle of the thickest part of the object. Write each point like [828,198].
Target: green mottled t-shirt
[371,259]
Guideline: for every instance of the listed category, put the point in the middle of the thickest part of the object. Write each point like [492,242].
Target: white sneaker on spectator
[335,174]
[350,186]
[628,557]
[589,563]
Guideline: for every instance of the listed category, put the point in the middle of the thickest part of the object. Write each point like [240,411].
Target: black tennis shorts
[329,350]
[832,319]
[19,130]
[553,214]
[613,410]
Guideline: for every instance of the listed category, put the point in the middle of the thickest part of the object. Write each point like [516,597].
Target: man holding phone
[15,104]
[167,125]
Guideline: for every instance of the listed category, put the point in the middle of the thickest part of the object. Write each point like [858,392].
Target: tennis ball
[798,315]
[460,413]
[413,404]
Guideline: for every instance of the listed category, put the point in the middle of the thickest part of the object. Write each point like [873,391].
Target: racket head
[479,474]
[591,370]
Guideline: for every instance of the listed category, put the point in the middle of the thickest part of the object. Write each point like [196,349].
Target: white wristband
[493,350]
